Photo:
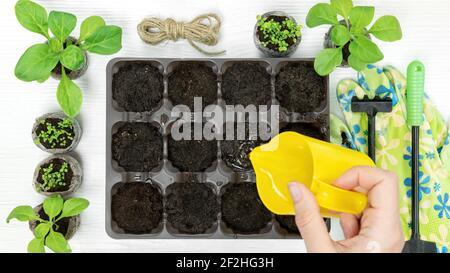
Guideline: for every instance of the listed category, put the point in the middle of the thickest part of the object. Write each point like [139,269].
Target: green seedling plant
[52,177]
[278,34]
[351,28]
[39,60]
[61,134]
[44,234]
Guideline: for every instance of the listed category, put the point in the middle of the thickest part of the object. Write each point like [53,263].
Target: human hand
[377,229]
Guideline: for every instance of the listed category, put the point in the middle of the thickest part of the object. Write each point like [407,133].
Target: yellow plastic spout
[292,157]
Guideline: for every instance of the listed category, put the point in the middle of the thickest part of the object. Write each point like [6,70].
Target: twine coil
[203,29]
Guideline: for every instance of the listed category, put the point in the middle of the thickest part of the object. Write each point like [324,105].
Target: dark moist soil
[245,83]
[261,37]
[137,147]
[305,129]
[138,87]
[287,222]
[191,155]
[299,88]
[137,207]
[235,153]
[57,164]
[191,208]
[42,127]
[242,210]
[62,226]
[192,79]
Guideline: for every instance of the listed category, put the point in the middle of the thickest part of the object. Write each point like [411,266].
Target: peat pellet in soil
[137,207]
[191,208]
[299,88]
[192,79]
[137,147]
[304,129]
[246,83]
[67,226]
[138,87]
[242,210]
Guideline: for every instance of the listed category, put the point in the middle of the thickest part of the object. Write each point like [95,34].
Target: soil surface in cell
[62,226]
[138,87]
[245,83]
[64,138]
[304,129]
[287,222]
[299,88]
[137,147]
[56,163]
[242,210]
[192,79]
[191,208]
[191,155]
[137,207]
[279,19]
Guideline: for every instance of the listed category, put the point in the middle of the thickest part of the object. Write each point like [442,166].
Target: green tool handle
[414,95]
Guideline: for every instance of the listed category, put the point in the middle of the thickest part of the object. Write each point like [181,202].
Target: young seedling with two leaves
[38,61]
[352,30]
[44,234]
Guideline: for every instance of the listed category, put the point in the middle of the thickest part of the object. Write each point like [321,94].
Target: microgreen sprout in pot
[52,223]
[277,34]
[62,54]
[56,133]
[351,36]
[57,174]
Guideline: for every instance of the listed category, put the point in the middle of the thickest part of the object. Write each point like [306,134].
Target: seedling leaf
[340,35]
[32,17]
[72,57]
[327,60]
[61,24]
[74,206]
[321,14]
[356,63]
[42,230]
[36,246]
[69,96]
[89,26]
[361,16]
[343,7]
[22,213]
[105,40]
[365,50]
[387,28]
[57,243]
[36,63]
[53,205]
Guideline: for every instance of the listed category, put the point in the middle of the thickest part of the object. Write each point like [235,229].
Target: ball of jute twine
[203,29]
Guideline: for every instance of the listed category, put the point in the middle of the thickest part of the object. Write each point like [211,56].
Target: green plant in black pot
[277,34]
[62,55]
[349,39]
[53,223]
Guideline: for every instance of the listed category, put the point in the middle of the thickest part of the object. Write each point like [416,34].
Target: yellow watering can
[294,157]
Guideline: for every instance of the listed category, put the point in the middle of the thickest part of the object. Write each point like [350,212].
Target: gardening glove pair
[394,150]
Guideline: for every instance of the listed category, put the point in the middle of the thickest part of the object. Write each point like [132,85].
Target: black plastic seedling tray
[160,188]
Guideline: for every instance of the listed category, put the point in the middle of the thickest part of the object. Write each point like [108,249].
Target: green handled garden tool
[414,105]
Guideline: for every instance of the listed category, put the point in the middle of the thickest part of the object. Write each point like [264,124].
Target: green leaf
[340,35]
[327,60]
[57,243]
[61,24]
[90,25]
[22,213]
[74,206]
[387,28]
[42,230]
[343,7]
[53,206]
[69,96]
[36,63]
[36,246]
[365,50]
[360,17]
[105,40]
[44,78]
[55,45]
[32,17]
[321,14]
[72,57]
[356,63]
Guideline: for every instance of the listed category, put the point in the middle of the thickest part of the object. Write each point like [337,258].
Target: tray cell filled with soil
[187,80]
[136,208]
[137,146]
[242,210]
[288,225]
[246,83]
[307,129]
[299,89]
[191,208]
[138,86]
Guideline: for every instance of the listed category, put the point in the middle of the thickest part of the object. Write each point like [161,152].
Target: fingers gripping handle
[414,95]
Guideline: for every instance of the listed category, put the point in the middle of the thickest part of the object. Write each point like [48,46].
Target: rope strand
[156,30]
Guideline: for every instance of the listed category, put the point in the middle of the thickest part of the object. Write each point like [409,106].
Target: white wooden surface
[426,37]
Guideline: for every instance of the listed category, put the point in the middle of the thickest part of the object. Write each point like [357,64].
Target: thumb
[309,221]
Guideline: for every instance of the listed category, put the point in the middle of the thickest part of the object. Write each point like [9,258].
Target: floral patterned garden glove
[393,148]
